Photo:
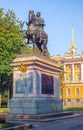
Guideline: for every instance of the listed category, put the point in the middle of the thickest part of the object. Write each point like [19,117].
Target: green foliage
[25,48]
[6,125]
[4,109]
[74,109]
[11,33]
[10,37]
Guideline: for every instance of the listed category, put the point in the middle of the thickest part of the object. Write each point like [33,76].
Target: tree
[11,33]
[10,38]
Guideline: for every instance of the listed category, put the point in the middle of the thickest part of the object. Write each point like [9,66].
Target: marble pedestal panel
[35,85]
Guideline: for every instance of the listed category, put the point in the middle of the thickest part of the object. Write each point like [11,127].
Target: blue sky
[59,16]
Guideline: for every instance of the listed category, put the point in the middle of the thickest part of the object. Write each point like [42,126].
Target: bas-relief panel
[47,84]
[24,83]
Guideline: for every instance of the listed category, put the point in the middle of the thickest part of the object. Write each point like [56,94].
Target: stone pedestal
[35,85]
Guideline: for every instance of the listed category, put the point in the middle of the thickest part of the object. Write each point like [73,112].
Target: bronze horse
[36,33]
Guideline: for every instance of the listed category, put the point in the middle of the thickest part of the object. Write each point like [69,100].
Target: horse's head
[31,15]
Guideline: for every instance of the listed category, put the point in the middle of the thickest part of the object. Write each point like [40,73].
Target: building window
[78,100]
[69,77]
[77,91]
[69,66]
[68,91]
[69,100]
[78,77]
[78,65]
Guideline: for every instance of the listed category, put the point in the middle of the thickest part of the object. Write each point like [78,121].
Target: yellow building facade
[73,76]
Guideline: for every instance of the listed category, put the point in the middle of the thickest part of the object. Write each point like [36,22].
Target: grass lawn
[2,110]
[73,109]
[5,125]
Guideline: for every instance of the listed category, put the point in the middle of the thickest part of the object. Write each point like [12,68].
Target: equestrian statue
[35,32]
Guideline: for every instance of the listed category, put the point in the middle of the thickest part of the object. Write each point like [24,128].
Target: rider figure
[39,21]
[35,31]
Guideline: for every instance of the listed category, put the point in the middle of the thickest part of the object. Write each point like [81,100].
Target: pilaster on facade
[64,73]
[72,72]
[82,72]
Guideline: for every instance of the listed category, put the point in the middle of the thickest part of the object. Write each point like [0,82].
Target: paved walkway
[54,123]
[29,122]
[61,124]
[48,119]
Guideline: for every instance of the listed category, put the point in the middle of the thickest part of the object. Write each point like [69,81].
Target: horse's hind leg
[44,49]
[39,47]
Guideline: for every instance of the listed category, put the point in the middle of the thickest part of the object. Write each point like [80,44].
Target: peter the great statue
[35,32]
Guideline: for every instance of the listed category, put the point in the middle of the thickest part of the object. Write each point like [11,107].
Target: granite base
[35,106]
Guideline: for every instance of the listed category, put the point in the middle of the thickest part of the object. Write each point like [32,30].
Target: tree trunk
[8,98]
[9,89]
